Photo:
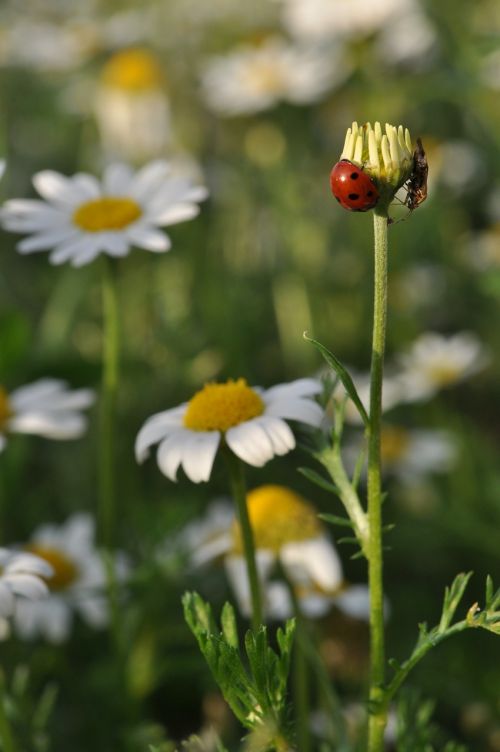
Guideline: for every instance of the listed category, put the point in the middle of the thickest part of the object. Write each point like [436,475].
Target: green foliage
[29,712]
[256,692]
[344,376]
[415,729]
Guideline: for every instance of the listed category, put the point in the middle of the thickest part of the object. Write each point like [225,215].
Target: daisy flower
[255,78]
[435,361]
[22,575]
[78,582]
[250,420]
[287,532]
[131,107]
[81,218]
[44,408]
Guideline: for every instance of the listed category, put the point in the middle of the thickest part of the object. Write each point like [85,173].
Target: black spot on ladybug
[353,196]
[370,193]
[354,176]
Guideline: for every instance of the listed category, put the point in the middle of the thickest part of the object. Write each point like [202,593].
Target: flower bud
[387,158]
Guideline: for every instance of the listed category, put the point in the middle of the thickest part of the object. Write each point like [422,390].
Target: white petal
[279,433]
[236,570]
[149,238]
[86,255]
[114,244]
[58,620]
[117,180]
[157,427]
[27,585]
[7,600]
[302,410]
[250,442]
[70,249]
[171,452]
[312,561]
[29,564]
[94,610]
[45,240]
[149,179]
[297,388]
[174,214]
[58,189]
[199,454]
[314,605]
[55,425]
[278,601]
[35,393]
[355,602]
[88,185]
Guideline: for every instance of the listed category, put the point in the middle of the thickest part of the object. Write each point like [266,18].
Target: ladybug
[417,184]
[352,187]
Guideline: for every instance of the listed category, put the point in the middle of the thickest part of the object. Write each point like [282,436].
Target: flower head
[44,408]
[250,420]
[77,584]
[80,218]
[386,157]
[22,575]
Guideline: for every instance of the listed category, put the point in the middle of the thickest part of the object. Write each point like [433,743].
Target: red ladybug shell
[352,187]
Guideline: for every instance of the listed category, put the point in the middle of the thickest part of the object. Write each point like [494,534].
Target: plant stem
[378,709]
[238,489]
[109,392]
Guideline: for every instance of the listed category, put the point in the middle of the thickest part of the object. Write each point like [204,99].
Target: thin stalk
[107,505]
[378,709]
[301,683]
[239,492]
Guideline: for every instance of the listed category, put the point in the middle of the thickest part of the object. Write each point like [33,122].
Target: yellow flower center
[443,374]
[394,443]
[218,407]
[134,71]
[278,515]
[108,213]
[65,570]
[6,411]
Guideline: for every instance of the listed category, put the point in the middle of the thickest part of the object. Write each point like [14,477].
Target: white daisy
[255,78]
[251,421]
[320,20]
[81,218]
[21,576]
[435,361]
[78,582]
[131,106]
[287,532]
[44,408]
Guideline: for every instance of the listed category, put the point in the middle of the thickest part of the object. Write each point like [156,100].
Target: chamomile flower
[44,408]
[250,420]
[131,106]
[77,584]
[288,533]
[22,575]
[435,361]
[253,78]
[81,218]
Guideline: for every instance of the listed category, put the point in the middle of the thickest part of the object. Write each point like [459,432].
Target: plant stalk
[239,492]
[107,505]
[6,735]
[378,709]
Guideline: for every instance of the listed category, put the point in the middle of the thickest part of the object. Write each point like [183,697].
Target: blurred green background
[270,255]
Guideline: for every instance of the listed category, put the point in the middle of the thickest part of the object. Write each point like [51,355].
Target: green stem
[238,489]
[109,392]
[6,736]
[301,684]
[378,709]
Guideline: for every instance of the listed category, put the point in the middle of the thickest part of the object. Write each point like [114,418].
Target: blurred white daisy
[410,455]
[435,361]
[77,585]
[44,408]
[131,106]
[287,535]
[408,38]
[321,20]
[81,218]
[483,248]
[22,575]
[250,420]
[253,78]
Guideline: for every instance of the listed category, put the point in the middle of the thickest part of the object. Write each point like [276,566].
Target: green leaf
[335,520]
[319,480]
[229,628]
[452,597]
[343,375]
